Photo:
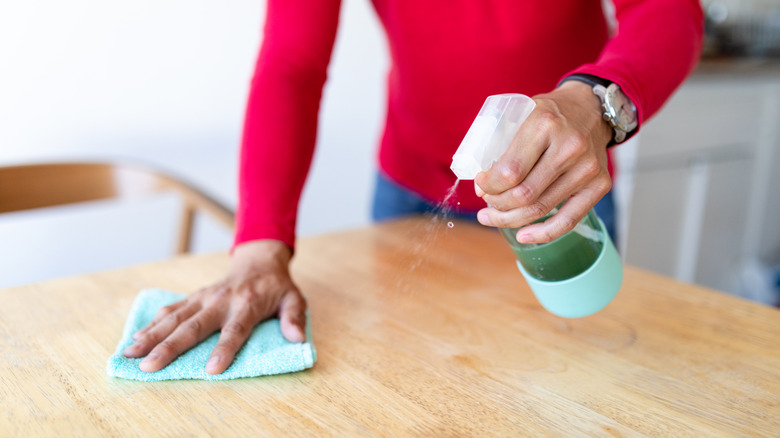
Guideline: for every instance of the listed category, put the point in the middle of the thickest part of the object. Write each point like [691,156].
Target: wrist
[617,109]
[602,131]
[262,251]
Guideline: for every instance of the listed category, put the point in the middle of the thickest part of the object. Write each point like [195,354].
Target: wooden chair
[33,186]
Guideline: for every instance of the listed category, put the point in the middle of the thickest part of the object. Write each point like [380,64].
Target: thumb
[292,317]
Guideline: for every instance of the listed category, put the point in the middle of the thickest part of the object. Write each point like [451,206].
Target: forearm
[656,46]
[276,152]
[281,117]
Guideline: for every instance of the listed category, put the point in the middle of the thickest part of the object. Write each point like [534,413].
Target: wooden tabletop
[421,330]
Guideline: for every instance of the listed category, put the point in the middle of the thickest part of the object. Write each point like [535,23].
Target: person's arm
[559,153]
[280,125]
[656,46]
[278,143]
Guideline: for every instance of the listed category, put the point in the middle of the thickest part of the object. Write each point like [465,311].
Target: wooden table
[421,330]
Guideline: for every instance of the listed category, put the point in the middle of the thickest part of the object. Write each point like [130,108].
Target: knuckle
[538,210]
[257,304]
[591,169]
[523,194]
[164,311]
[235,328]
[509,174]
[193,327]
[166,348]
[152,337]
[563,224]
[546,121]
[496,217]
[573,148]
[566,223]
[604,185]
[220,291]
[246,297]
[547,236]
[173,318]
[500,221]
[149,338]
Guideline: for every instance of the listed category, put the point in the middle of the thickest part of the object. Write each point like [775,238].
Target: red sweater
[447,57]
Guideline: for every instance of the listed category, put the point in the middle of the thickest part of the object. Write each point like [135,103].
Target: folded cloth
[266,352]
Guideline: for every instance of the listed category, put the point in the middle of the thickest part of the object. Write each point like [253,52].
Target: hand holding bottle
[557,154]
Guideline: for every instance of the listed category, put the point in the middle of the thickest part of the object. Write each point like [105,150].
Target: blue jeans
[391,200]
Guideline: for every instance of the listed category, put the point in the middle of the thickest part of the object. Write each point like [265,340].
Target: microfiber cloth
[266,352]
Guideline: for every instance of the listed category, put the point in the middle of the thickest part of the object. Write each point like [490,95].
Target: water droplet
[450,224]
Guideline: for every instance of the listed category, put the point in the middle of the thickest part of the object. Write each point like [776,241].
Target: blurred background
[165,83]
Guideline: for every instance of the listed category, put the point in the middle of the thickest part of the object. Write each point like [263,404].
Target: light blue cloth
[266,352]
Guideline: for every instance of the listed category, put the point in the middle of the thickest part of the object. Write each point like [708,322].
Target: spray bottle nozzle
[490,133]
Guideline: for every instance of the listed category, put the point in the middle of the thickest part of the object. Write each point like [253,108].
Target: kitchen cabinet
[700,188]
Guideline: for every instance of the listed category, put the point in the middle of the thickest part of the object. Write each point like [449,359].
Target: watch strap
[586,78]
[595,81]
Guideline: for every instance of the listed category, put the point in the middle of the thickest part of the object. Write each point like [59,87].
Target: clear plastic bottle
[578,273]
[567,257]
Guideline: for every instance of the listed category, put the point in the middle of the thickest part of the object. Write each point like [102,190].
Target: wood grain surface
[420,330]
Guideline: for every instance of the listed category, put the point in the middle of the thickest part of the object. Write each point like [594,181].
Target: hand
[257,287]
[559,153]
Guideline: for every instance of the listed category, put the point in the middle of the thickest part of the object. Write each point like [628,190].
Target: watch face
[621,109]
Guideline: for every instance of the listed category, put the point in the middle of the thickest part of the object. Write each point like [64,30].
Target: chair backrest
[32,186]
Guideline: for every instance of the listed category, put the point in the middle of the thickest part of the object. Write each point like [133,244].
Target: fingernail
[146,364]
[301,335]
[136,335]
[212,364]
[484,218]
[131,349]
[525,238]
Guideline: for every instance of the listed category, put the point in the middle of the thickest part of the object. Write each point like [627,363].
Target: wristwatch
[619,111]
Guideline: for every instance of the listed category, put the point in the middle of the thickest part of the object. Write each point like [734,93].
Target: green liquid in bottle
[565,257]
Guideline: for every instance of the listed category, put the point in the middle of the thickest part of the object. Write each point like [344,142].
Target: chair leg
[184,243]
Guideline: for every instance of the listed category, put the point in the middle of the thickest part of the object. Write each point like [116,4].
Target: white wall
[164,83]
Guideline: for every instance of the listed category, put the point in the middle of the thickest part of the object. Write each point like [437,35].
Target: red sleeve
[280,125]
[657,44]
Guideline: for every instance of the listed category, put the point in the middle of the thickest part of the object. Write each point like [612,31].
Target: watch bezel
[611,109]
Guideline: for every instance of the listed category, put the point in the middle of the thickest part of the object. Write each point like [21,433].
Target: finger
[559,224]
[517,217]
[512,167]
[234,334]
[292,317]
[546,171]
[570,214]
[164,327]
[590,180]
[162,313]
[188,334]
[478,190]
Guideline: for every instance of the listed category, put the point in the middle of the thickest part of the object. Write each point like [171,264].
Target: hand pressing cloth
[266,352]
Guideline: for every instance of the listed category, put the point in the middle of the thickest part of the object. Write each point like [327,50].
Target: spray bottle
[577,274]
